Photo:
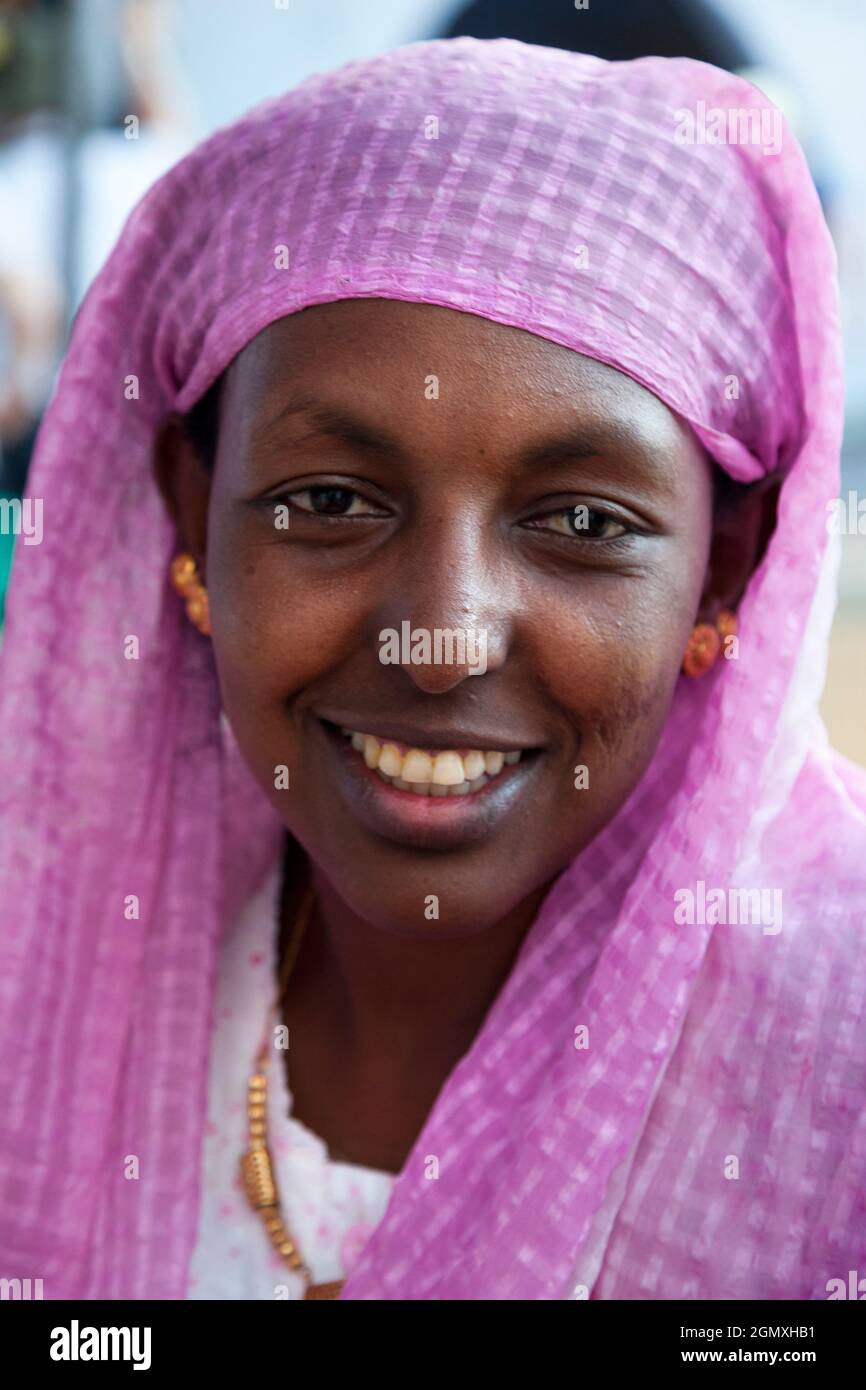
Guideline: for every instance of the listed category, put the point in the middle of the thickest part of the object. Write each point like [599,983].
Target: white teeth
[391,760]
[430,773]
[473,765]
[448,770]
[417,766]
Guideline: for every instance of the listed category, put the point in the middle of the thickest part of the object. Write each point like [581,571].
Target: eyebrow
[329,420]
[580,443]
[338,423]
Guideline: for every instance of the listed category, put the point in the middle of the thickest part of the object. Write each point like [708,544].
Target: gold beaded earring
[705,643]
[185,578]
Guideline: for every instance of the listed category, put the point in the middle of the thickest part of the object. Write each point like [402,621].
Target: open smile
[428,796]
[428,771]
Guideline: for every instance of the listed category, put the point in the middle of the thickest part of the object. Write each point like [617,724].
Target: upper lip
[441,736]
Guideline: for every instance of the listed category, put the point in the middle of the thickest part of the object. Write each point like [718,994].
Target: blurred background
[99,97]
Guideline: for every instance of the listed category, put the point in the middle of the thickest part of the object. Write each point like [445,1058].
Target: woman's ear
[185,484]
[744,521]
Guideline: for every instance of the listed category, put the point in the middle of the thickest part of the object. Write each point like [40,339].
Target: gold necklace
[257,1168]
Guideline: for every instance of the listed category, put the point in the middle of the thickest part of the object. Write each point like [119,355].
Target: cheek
[632,716]
[612,661]
[274,632]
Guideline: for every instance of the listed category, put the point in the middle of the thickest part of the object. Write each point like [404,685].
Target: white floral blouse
[329,1207]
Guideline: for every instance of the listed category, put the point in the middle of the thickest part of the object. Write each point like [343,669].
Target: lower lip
[425,822]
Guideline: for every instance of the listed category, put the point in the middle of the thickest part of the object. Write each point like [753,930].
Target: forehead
[395,357]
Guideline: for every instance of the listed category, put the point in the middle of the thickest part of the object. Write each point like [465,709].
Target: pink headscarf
[548,191]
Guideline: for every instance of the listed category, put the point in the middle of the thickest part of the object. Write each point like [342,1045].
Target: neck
[393,997]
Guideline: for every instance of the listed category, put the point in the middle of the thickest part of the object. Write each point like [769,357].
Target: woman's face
[383,464]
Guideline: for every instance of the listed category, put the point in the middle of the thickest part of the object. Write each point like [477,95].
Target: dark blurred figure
[614,29]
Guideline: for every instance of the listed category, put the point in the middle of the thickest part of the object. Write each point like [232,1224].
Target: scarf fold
[710,1141]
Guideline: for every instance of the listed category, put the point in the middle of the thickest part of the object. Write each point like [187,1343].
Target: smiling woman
[532,379]
[453,513]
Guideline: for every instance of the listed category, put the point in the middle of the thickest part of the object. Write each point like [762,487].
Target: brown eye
[332,501]
[329,499]
[582,523]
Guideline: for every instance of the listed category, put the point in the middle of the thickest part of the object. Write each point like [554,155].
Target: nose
[447,617]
